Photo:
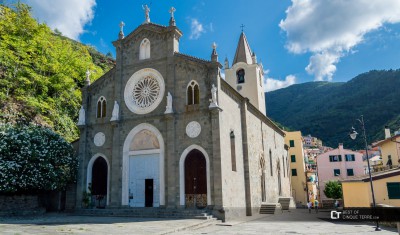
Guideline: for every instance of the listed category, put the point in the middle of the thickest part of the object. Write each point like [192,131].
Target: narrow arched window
[270,162]
[240,76]
[144,50]
[101,107]
[233,151]
[193,93]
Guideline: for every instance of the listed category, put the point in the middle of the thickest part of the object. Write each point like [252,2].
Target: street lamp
[353,135]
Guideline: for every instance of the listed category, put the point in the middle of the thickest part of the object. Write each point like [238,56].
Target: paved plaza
[295,222]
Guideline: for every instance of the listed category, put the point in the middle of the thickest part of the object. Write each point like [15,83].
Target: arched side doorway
[194,177]
[143,182]
[98,179]
[195,180]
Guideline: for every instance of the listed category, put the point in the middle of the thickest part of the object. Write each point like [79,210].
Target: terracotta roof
[385,140]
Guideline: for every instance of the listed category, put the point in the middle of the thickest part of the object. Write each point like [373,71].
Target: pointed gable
[243,52]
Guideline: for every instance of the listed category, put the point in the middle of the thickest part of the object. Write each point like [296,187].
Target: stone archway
[143,180]
[98,178]
[195,180]
[182,172]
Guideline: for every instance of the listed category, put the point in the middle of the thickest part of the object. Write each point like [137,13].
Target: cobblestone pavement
[294,222]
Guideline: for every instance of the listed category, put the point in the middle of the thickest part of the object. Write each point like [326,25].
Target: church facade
[164,129]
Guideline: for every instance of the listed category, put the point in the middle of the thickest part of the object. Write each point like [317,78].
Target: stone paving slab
[65,224]
[295,222]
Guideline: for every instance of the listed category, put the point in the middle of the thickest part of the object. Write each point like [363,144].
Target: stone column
[215,161]
[171,161]
[116,167]
[243,111]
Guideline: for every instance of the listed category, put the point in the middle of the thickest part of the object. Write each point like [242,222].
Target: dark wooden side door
[148,193]
[196,175]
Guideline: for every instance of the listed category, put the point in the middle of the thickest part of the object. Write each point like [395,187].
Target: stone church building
[164,129]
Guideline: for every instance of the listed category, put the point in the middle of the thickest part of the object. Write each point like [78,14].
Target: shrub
[34,159]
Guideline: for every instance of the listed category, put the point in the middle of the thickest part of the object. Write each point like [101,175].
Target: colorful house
[357,190]
[390,149]
[297,167]
[338,164]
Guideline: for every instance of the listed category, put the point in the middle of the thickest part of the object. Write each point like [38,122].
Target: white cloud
[68,16]
[330,29]
[196,29]
[271,84]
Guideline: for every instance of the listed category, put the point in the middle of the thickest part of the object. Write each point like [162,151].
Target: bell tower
[246,75]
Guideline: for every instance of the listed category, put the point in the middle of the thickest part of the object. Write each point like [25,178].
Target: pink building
[338,164]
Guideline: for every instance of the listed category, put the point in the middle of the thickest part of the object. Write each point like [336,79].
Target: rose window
[145,92]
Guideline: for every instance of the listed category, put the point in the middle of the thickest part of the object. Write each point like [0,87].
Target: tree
[34,159]
[333,189]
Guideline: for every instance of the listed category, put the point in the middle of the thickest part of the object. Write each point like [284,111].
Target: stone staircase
[285,202]
[148,213]
[269,208]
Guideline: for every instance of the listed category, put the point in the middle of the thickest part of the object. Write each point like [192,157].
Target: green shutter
[293,158]
[291,143]
[393,190]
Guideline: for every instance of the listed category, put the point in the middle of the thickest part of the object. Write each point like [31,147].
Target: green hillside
[327,110]
[41,72]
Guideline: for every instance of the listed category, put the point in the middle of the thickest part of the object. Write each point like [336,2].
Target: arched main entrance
[143,168]
[195,180]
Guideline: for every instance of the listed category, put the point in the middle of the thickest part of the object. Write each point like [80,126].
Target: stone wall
[233,189]
[20,205]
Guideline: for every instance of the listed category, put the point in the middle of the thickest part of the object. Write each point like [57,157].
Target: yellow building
[357,190]
[390,149]
[297,167]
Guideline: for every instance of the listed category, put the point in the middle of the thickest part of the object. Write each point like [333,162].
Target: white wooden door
[142,167]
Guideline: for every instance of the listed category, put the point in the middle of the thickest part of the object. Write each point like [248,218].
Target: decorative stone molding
[193,129]
[99,139]
[144,91]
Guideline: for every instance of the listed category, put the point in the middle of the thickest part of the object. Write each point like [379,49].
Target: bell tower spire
[246,75]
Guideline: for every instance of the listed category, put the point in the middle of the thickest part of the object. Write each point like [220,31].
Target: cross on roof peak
[242,26]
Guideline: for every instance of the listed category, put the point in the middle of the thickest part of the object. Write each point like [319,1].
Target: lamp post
[353,135]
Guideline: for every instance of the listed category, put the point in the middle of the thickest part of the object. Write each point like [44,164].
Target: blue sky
[296,40]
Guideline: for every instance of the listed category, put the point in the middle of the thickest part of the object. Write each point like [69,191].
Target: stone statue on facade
[87,81]
[172,19]
[168,108]
[214,102]
[115,112]
[146,13]
[81,119]
[121,30]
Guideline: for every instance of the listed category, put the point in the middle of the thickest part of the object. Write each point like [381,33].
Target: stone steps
[269,208]
[285,202]
[147,213]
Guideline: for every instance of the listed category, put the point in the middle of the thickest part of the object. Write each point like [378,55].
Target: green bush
[333,189]
[34,159]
